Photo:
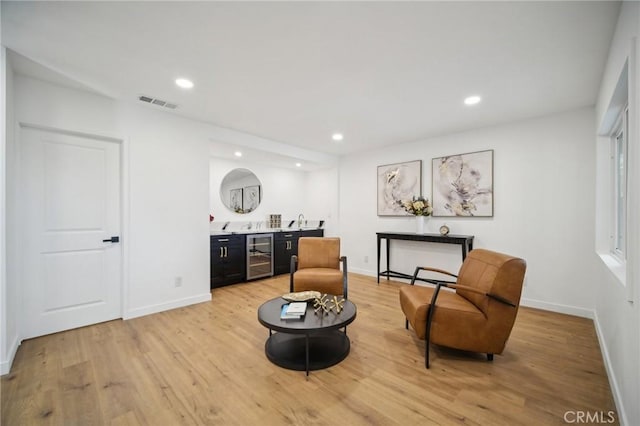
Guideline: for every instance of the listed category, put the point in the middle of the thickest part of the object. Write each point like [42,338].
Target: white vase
[421,224]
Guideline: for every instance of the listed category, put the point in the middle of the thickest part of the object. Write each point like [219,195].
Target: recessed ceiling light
[472,100]
[337,136]
[237,154]
[184,83]
[298,165]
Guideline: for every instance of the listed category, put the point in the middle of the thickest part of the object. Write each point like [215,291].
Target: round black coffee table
[313,342]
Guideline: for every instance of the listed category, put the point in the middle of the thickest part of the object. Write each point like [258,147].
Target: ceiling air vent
[156,101]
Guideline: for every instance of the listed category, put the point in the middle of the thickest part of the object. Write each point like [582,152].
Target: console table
[466,241]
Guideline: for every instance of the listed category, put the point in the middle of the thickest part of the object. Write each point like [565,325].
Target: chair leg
[415,275]
[427,337]
[489,357]
[426,353]
[432,308]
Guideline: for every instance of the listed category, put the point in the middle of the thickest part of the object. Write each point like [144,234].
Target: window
[616,178]
[619,168]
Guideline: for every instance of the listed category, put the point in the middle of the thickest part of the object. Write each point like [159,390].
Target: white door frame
[124,210]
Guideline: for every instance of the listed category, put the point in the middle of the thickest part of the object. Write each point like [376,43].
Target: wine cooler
[259,256]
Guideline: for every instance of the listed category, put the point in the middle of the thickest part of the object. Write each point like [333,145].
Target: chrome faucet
[300,219]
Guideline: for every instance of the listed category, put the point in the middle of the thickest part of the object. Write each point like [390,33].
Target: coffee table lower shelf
[324,349]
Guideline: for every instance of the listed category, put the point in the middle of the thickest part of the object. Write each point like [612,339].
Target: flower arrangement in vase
[419,207]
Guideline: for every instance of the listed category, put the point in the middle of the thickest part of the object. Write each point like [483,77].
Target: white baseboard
[362,271]
[5,365]
[615,388]
[557,307]
[531,303]
[154,309]
[373,274]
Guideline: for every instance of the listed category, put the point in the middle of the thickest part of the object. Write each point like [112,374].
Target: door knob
[112,240]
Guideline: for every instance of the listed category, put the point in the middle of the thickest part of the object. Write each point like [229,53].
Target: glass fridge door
[259,256]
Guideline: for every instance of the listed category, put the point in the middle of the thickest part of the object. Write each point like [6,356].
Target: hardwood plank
[205,364]
[79,395]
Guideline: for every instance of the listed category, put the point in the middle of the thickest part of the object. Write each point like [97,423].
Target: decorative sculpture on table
[320,305]
[338,305]
[323,305]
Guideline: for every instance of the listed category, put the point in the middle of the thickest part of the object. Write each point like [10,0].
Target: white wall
[282,191]
[617,318]
[3,251]
[168,186]
[166,194]
[286,192]
[9,339]
[166,175]
[12,293]
[45,104]
[543,207]
[321,199]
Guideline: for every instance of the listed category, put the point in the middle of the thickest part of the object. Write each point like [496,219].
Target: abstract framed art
[462,184]
[251,198]
[397,182]
[235,199]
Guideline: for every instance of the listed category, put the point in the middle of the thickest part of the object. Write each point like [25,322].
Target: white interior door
[70,192]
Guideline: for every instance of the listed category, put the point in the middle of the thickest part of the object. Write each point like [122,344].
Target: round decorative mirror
[241,191]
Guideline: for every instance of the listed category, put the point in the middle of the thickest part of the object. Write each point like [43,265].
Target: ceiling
[293,73]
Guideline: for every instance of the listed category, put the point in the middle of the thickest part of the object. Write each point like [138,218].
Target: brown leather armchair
[317,266]
[479,315]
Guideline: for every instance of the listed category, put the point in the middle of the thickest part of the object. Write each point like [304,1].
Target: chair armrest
[440,271]
[292,270]
[432,281]
[467,288]
[343,259]
[489,295]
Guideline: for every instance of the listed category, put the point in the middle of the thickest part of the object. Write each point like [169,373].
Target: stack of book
[293,310]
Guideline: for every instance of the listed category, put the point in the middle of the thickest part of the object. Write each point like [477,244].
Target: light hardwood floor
[205,364]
